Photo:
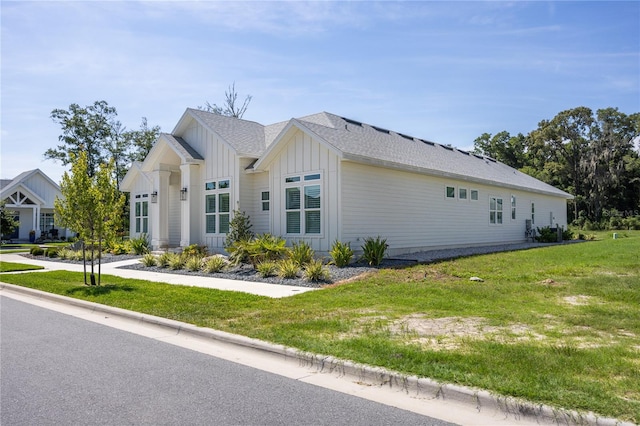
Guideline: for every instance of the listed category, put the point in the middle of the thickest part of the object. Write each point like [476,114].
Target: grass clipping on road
[558,325]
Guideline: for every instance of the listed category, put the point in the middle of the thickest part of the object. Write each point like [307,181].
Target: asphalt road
[57,369]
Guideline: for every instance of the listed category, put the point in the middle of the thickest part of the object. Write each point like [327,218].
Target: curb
[425,388]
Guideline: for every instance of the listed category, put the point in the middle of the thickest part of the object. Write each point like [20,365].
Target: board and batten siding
[412,211]
[221,162]
[43,188]
[300,155]
[251,187]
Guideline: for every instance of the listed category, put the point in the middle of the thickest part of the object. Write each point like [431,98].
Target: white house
[323,178]
[31,195]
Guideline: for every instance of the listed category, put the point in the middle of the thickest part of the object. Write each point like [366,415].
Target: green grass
[558,325]
[15,267]
[25,247]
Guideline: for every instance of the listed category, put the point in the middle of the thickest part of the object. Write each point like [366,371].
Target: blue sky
[444,71]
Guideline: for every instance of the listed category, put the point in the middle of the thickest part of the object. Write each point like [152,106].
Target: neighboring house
[30,196]
[323,178]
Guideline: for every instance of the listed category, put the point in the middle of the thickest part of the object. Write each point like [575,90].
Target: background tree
[503,147]
[141,141]
[7,221]
[231,106]
[90,206]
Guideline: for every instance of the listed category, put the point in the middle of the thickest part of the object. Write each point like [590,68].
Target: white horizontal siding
[411,211]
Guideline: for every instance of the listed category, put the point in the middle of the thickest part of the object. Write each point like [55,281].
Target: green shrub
[315,271]
[374,250]
[66,253]
[119,248]
[301,253]
[36,251]
[176,261]
[631,222]
[267,269]
[163,260]
[51,252]
[148,260]
[263,248]
[195,250]
[341,254]
[239,252]
[214,264]
[287,268]
[546,235]
[139,245]
[193,263]
[239,229]
[567,235]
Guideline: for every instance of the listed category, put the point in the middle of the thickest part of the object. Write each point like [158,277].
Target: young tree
[231,107]
[7,223]
[91,206]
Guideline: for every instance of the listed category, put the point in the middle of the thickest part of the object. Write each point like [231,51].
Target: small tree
[239,229]
[91,206]
[7,223]
[231,107]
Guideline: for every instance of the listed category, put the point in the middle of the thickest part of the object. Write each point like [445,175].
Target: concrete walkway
[111,268]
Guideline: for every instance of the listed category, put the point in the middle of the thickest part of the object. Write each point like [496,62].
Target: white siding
[174,215]
[43,188]
[251,187]
[300,154]
[413,213]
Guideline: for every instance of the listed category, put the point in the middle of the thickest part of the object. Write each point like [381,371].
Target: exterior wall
[413,213]
[220,163]
[251,187]
[141,186]
[298,156]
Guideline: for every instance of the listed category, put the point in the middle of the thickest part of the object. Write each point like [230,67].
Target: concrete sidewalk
[111,268]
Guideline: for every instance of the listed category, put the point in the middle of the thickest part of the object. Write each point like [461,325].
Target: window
[462,193]
[142,213]
[265,201]
[46,222]
[495,211]
[451,192]
[533,213]
[303,203]
[217,207]
[513,207]
[474,194]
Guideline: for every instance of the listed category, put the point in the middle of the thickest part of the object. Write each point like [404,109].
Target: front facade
[323,178]
[30,196]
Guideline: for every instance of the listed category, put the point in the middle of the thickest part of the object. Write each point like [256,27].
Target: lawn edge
[417,387]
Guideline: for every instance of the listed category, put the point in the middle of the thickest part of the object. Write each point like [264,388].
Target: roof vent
[380,129]
[354,122]
[450,148]
[405,136]
[427,142]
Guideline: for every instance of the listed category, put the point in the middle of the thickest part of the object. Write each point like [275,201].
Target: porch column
[36,220]
[160,210]
[191,211]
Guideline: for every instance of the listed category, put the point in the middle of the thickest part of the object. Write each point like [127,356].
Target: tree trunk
[84,261]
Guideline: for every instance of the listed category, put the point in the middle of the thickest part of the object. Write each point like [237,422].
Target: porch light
[154,197]
[183,194]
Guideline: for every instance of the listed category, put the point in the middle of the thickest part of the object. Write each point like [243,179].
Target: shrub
[163,260]
[176,261]
[36,251]
[214,264]
[66,254]
[546,235]
[315,271]
[139,245]
[51,252]
[119,248]
[567,235]
[267,269]
[267,247]
[631,222]
[239,229]
[341,254]
[148,260]
[301,253]
[239,252]
[287,268]
[193,263]
[195,250]
[374,250]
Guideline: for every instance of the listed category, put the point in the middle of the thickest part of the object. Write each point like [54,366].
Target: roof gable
[20,181]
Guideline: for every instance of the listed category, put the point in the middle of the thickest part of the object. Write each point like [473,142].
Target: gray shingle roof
[370,144]
[183,147]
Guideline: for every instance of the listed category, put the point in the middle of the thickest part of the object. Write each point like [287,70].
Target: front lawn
[15,267]
[558,325]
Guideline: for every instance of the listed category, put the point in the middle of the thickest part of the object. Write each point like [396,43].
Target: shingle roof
[183,147]
[366,143]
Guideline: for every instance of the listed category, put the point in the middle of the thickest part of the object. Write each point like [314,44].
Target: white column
[190,208]
[160,211]
[36,220]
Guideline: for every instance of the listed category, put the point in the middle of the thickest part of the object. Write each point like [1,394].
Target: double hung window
[303,203]
[217,206]
[495,210]
[142,213]
[513,207]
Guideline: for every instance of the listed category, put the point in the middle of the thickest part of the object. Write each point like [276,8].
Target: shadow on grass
[100,290]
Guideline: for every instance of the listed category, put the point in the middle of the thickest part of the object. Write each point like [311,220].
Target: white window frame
[513,207]
[265,203]
[140,219]
[302,181]
[473,192]
[216,189]
[496,210]
[452,192]
[533,213]
[466,194]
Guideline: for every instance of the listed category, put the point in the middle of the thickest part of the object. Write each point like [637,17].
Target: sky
[442,71]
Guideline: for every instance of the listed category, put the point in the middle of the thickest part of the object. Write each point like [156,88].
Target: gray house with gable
[323,178]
